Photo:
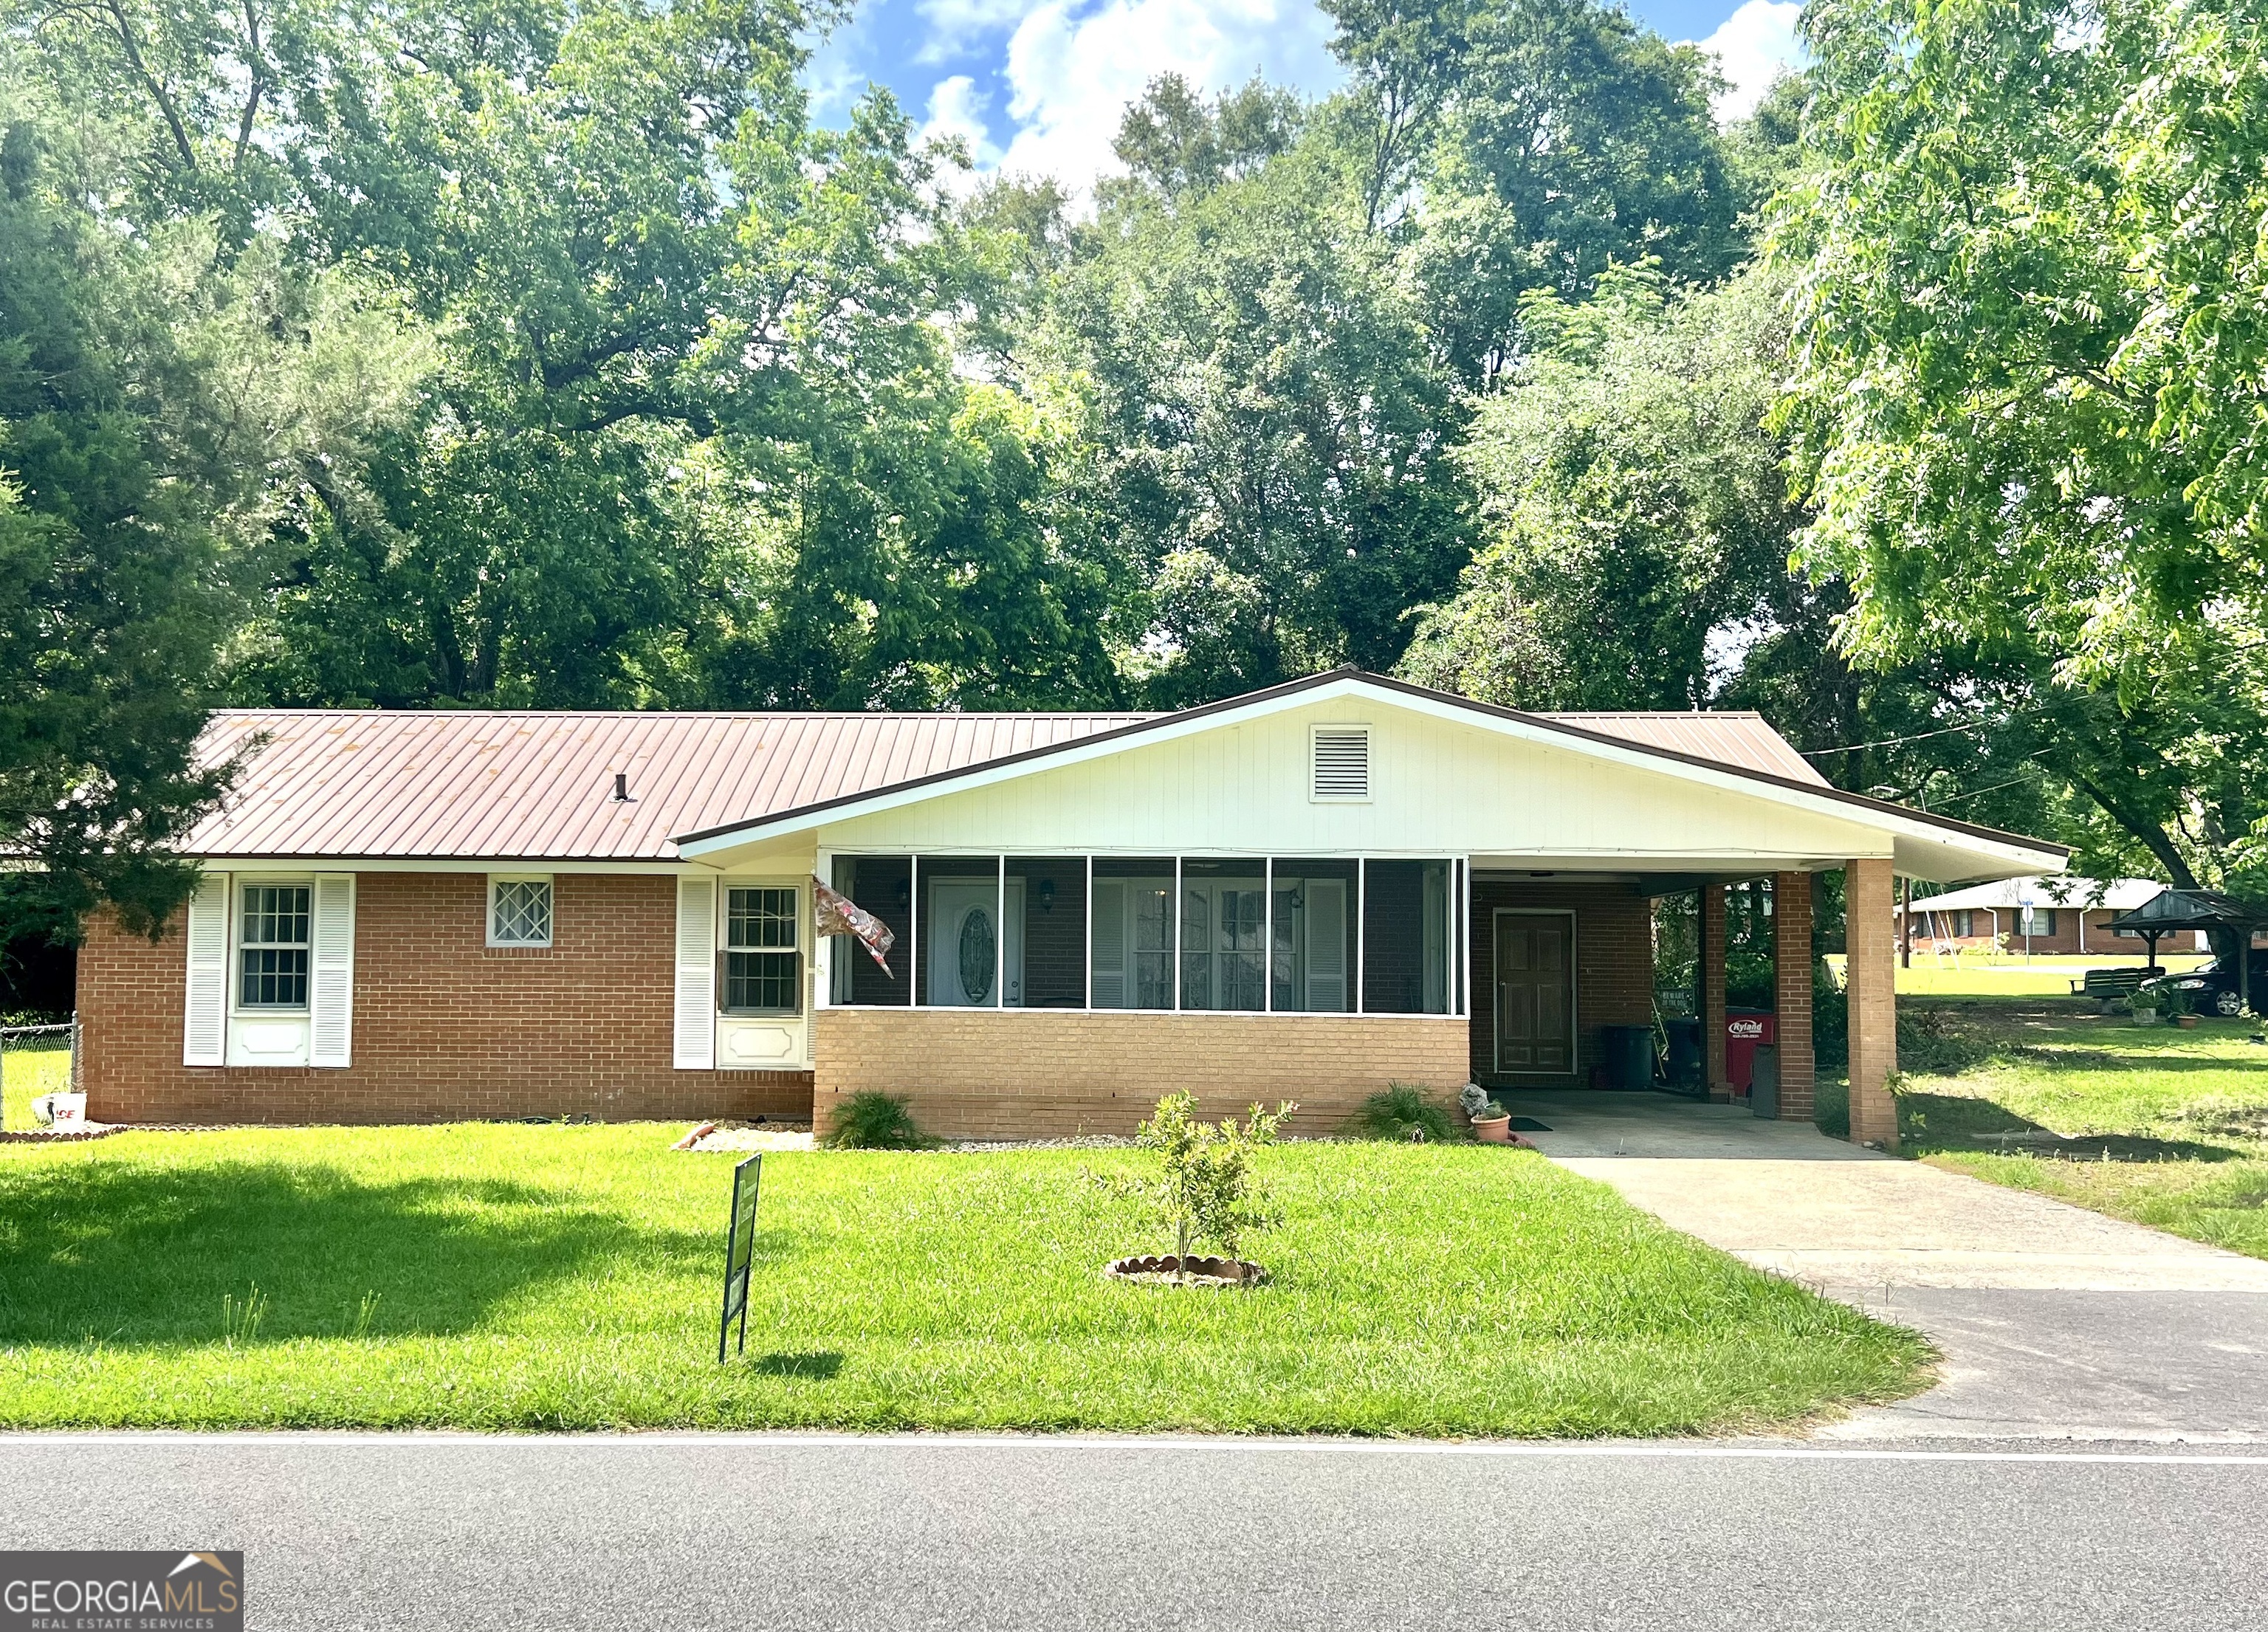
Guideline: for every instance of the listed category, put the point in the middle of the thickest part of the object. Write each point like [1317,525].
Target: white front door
[962,932]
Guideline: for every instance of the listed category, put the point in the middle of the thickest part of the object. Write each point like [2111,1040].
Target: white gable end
[1435,785]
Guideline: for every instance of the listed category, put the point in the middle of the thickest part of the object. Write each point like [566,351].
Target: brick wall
[1614,964]
[980,1073]
[1712,992]
[1872,991]
[445,1027]
[1935,928]
[1791,917]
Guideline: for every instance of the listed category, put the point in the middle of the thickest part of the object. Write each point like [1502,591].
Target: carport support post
[1791,992]
[1712,992]
[1870,987]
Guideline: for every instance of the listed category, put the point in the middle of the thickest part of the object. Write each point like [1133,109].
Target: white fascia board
[1994,854]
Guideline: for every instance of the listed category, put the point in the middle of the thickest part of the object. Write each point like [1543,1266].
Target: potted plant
[2177,1009]
[1491,1122]
[2144,1007]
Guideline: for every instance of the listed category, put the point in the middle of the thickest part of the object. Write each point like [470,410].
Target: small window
[520,912]
[272,946]
[763,967]
[1340,762]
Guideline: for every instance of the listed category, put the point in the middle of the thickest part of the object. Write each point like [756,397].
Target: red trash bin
[1746,1029]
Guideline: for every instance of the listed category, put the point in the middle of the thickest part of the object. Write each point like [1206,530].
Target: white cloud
[1753,47]
[957,109]
[1073,68]
[955,25]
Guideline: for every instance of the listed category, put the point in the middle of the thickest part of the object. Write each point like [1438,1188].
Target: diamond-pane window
[520,912]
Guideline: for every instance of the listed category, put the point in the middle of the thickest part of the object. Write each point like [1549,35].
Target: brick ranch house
[2038,915]
[1309,892]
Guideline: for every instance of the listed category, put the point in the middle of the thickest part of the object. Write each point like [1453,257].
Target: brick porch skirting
[1036,1074]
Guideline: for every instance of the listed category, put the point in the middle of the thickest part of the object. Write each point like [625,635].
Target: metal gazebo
[2173,910]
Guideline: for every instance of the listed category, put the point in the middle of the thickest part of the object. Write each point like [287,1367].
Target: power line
[1974,792]
[1887,742]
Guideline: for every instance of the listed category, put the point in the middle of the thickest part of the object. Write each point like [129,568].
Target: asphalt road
[785,1532]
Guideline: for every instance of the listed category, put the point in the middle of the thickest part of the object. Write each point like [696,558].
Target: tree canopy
[443,353]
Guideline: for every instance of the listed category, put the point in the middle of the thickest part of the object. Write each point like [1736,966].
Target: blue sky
[1037,85]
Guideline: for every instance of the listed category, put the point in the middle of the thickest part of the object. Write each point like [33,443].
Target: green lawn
[2049,975]
[2171,1126]
[502,1277]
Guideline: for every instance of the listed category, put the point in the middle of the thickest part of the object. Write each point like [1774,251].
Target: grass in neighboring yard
[24,1075]
[501,1276]
[2168,1127]
[2047,975]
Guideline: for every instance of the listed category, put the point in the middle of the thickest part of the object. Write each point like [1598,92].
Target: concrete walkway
[2055,1322]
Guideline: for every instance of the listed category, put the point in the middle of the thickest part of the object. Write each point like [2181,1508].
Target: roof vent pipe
[623,787]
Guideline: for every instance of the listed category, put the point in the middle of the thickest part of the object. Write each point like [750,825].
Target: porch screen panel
[1223,934]
[1406,923]
[884,885]
[958,963]
[1312,962]
[1132,932]
[1044,966]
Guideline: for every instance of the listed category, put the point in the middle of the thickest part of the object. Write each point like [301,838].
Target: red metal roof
[478,784]
[1735,738]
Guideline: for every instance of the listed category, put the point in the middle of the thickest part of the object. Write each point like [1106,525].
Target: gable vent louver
[1340,762]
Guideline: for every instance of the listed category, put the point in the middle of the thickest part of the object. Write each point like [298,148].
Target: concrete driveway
[2055,1322]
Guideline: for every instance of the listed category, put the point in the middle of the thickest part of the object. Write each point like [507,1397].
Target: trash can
[1764,1086]
[1745,1031]
[1682,1036]
[1629,1051]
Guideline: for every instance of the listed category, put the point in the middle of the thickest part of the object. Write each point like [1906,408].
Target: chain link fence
[35,1061]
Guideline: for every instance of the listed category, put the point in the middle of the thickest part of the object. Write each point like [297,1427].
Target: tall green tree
[1515,145]
[694,429]
[151,381]
[2025,253]
[1268,421]
[1637,519]
[2030,277]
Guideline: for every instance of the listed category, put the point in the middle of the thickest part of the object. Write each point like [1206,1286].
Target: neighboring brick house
[1307,893]
[2040,916]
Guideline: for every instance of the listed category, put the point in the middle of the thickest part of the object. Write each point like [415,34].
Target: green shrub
[1407,1113]
[1206,1170]
[1932,1043]
[875,1120]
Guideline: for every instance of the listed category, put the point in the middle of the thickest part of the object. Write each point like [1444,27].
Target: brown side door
[1535,992]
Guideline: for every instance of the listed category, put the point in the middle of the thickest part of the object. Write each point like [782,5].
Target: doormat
[1528,1124]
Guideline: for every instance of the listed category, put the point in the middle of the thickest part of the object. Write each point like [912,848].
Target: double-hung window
[272,940]
[763,969]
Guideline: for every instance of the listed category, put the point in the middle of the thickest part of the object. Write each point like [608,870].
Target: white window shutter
[330,972]
[204,1021]
[694,1034]
[1110,943]
[1326,983]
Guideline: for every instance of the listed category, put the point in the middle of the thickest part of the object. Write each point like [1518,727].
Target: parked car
[2212,989]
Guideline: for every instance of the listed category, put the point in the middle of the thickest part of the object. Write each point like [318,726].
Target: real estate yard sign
[740,1247]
